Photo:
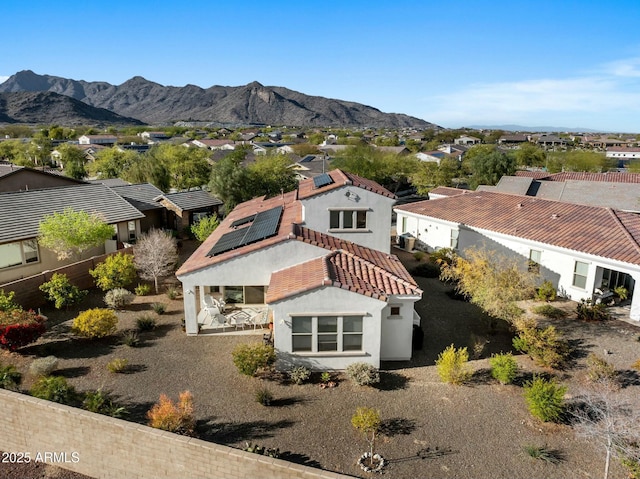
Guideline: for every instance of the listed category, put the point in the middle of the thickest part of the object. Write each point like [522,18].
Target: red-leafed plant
[19,328]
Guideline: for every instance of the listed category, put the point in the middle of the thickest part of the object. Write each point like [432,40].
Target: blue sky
[544,63]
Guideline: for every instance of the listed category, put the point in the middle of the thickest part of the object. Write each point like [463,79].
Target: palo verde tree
[155,255]
[72,232]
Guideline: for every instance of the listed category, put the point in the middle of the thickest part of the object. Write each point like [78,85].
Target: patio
[218,317]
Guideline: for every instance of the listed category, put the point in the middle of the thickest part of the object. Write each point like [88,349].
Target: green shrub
[299,374]
[442,256]
[586,311]
[203,228]
[101,403]
[549,311]
[172,292]
[545,398]
[116,271]
[43,366]
[61,292]
[95,323]
[264,396]
[146,323]
[419,255]
[159,308]
[142,289]
[545,346]
[543,453]
[598,369]
[452,365]
[6,301]
[621,292]
[504,367]
[118,365]
[130,338]
[54,388]
[547,291]
[118,298]
[325,377]
[363,374]
[250,358]
[426,270]
[10,378]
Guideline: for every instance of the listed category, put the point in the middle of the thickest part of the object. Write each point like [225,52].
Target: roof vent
[554,216]
[520,205]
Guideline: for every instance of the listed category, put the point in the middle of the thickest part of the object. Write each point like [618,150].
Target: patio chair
[237,321]
[259,319]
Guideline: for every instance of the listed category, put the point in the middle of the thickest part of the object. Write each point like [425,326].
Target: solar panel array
[242,221]
[265,224]
[322,180]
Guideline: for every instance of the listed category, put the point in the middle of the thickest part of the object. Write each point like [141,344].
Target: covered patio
[225,310]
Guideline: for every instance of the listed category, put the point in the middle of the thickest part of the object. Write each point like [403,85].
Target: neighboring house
[18,178]
[332,302]
[550,141]
[579,248]
[623,196]
[467,140]
[310,166]
[396,150]
[513,139]
[143,197]
[187,207]
[22,211]
[624,155]
[446,192]
[215,144]
[435,156]
[105,140]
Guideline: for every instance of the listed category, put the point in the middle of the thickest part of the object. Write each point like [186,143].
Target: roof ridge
[375,291]
[625,231]
[378,268]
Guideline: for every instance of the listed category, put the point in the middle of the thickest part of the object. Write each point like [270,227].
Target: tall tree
[486,165]
[73,162]
[72,232]
[230,180]
[272,175]
[187,167]
[112,162]
[155,255]
[530,155]
[430,175]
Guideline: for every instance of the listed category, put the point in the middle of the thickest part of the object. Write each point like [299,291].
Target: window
[18,253]
[404,224]
[534,260]
[244,294]
[454,239]
[318,334]
[131,228]
[198,215]
[348,219]
[580,272]
[394,311]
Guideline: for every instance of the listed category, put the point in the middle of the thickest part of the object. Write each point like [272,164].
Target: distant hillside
[254,103]
[49,108]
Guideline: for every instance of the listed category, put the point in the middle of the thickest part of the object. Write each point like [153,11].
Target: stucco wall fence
[104,447]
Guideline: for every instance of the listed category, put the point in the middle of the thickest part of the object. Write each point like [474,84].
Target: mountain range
[140,100]
[533,129]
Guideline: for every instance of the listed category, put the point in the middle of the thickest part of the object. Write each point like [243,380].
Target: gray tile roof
[142,195]
[21,211]
[192,200]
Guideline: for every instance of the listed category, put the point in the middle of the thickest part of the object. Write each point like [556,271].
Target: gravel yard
[430,429]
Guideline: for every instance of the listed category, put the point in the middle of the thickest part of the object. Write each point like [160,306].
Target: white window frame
[576,275]
[131,230]
[346,214]
[340,333]
[455,234]
[33,243]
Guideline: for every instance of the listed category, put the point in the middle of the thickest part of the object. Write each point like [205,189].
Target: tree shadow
[390,381]
[628,377]
[74,348]
[425,453]
[137,412]
[159,331]
[301,459]
[134,368]
[75,372]
[232,432]
[480,377]
[397,426]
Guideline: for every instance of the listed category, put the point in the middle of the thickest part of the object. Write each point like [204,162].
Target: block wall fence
[104,447]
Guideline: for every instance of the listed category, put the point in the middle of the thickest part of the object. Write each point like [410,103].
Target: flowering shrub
[19,328]
[95,323]
[173,417]
[118,298]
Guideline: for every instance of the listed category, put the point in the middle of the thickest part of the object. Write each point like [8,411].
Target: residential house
[583,250]
[104,140]
[143,197]
[310,166]
[22,211]
[614,190]
[624,155]
[316,261]
[215,144]
[435,156]
[446,192]
[185,208]
[18,178]
[513,139]
[467,140]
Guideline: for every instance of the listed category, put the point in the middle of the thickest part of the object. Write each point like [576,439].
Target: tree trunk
[155,282]
[608,459]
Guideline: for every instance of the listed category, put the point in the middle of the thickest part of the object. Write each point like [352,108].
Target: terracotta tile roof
[448,191]
[538,175]
[339,269]
[589,229]
[307,188]
[614,176]
[287,229]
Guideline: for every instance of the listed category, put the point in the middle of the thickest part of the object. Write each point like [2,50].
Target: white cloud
[579,101]
[3,78]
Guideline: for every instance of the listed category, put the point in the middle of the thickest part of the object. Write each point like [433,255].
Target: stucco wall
[331,301]
[104,447]
[316,215]
[397,331]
